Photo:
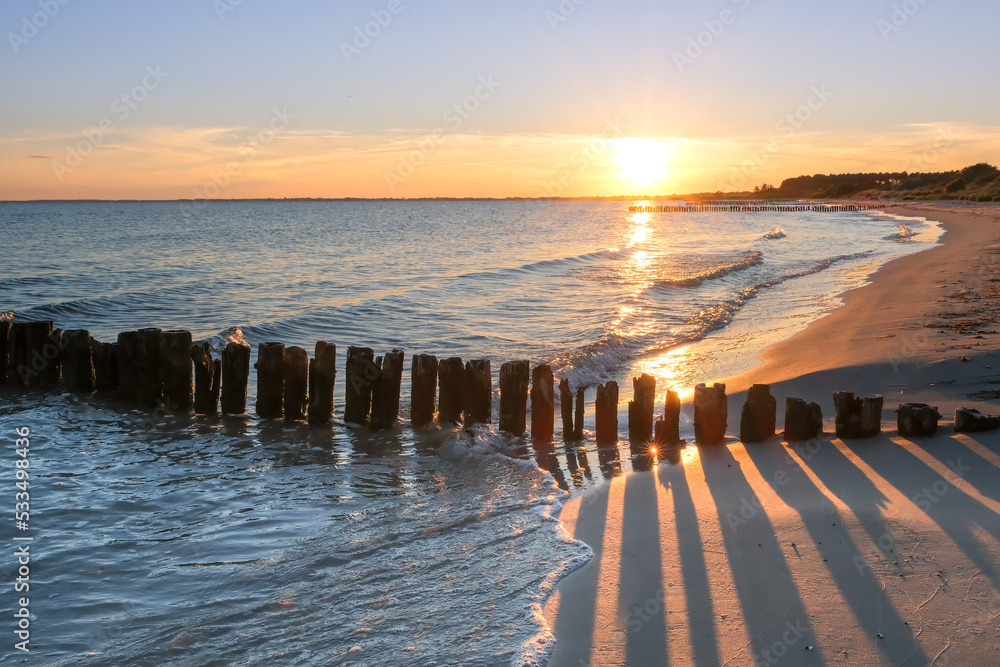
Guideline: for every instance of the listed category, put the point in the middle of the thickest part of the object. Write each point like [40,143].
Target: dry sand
[883,551]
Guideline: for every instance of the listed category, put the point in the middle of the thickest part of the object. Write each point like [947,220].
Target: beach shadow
[694,570]
[857,583]
[959,515]
[756,558]
[975,469]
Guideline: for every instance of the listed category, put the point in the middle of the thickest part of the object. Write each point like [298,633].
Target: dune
[877,551]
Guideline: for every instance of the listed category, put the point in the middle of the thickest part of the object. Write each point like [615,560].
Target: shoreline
[827,551]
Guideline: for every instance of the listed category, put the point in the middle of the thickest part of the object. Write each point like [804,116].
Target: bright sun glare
[643,162]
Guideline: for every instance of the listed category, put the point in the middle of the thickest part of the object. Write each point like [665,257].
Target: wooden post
[4,353]
[514,377]
[451,382]
[758,418]
[270,380]
[640,409]
[478,396]
[105,365]
[296,377]
[78,361]
[917,419]
[176,369]
[32,354]
[710,414]
[857,417]
[361,376]
[566,408]
[322,375]
[128,366]
[543,407]
[207,379]
[423,384]
[606,413]
[235,375]
[668,430]
[973,421]
[147,362]
[45,347]
[803,421]
[580,407]
[385,393]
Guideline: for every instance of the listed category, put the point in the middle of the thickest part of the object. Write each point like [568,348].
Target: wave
[721,314]
[742,263]
[904,233]
[776,233]
[559,263]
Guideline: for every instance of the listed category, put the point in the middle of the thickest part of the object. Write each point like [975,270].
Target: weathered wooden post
[917,419]
[207,379]
[45,345]
[968,420]
[478,397]
[270,380]
[759,415]
[361,376]
[32,354]
[803,421]
[385,392]
[4,353]
[566,408]
[105,365]
[543,407]
[606,413]
[580,407]
[128,365]
[451,380]
[235,375]
[296,377]
[423,385]
[857,417]
[668,429]
[514,377]
[322,376]
[78,361]
[711,416]
[176,369]
[640,408]
[147,362]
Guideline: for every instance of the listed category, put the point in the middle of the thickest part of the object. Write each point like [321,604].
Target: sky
[108,99]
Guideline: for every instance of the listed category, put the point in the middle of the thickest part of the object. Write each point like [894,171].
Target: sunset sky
[257,98]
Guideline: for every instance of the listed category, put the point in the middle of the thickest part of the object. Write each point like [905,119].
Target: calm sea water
[239,541]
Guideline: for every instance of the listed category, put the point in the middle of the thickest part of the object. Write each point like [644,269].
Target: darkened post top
[542,403]
[235,375]
[514,377]
[296,377]
[423,384]
[361,376]
[322,375]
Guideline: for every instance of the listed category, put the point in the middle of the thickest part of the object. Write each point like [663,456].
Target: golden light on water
[643,162]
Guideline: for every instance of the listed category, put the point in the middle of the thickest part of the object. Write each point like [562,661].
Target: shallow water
[170,540]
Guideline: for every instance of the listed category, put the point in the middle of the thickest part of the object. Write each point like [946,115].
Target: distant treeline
[980,182]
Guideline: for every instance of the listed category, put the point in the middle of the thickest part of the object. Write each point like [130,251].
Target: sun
[643,162]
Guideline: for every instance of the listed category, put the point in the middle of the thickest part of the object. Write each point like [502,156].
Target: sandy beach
[882,551]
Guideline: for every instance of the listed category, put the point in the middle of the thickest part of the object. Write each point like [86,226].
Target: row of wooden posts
[756,208]
[167,369]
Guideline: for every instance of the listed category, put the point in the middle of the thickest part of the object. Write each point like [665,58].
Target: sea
[165,539]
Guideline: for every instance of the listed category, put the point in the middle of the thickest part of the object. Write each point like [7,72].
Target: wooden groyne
[175,375]
[756,208]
